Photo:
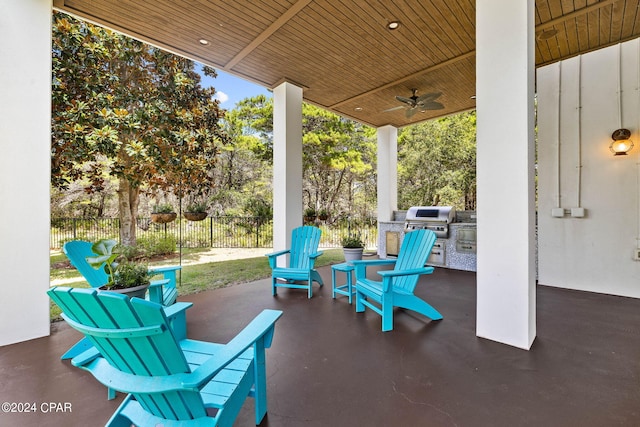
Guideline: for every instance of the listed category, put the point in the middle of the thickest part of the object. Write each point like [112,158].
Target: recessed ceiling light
[204,42]
[393,25]
[358,108]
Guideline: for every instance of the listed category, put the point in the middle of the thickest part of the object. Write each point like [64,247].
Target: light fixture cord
[620,86]
[578,190]
[559,132]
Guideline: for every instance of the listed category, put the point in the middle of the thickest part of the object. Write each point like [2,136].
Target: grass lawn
[195,278]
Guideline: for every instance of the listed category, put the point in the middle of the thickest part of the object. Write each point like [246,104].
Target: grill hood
[434,214]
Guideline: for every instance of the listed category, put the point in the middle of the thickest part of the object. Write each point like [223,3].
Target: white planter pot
[351,254]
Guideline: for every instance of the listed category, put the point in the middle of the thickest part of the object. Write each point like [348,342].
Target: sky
[231,89]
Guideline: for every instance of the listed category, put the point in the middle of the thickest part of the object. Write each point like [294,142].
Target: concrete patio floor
[330,366]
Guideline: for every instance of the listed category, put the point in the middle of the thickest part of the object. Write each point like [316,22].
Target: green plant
[310,212]
[121,275]
[352,241]
[129,275]
[152,246]
[197,207]
[163,208]
[104,249]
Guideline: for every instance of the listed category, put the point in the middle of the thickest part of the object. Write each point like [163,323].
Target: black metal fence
[212,232]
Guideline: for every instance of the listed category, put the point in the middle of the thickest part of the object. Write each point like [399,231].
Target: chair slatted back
[77,251]
[133,336]
[414,251]
[304,242]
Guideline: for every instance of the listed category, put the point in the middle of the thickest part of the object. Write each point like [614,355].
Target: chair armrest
[155,290]
[361,265]
[393,273]
[316,255]
[389,274]
[176,308]
[278,253]
[373,261]
[158,283]
[273,255]
[160,270]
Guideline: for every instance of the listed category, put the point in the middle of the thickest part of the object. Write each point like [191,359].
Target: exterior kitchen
[455,246]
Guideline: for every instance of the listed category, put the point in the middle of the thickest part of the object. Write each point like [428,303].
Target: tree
[130,111]
[338,153]
[437,163]
[243,175]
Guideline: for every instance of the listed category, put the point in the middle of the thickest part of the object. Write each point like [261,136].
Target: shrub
[152,246]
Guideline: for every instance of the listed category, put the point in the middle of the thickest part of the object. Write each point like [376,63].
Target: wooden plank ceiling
[341,51]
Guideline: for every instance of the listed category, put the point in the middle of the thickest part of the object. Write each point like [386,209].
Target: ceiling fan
[418,103]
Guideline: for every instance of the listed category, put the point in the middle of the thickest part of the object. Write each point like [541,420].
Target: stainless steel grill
[435,218]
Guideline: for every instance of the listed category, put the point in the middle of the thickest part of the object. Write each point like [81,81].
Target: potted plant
[196,211]
[126,277]
[310,215]
[352,246]
[163,213]
[323,215]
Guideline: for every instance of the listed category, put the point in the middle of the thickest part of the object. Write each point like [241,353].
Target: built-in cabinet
[458,251]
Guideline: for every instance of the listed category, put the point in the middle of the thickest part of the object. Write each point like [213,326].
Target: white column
[287,164]
[506,298]
[25,134]
[387,172]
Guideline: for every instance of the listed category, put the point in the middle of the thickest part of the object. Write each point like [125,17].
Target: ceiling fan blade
[428,97]
[400,107]
[405,100]
[411,112]
[433,105]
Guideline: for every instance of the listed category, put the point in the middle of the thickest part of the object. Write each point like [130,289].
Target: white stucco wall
[25,111]
[594,253]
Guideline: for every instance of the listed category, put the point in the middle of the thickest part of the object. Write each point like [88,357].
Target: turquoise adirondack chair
[161,291]
[171,381]
[303,254]
[397,286]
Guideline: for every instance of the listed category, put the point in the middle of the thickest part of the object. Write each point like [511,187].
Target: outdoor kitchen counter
[454,257]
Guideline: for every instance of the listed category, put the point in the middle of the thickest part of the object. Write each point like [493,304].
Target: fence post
[258,233]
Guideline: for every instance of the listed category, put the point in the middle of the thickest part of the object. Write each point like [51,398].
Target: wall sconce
[621,143]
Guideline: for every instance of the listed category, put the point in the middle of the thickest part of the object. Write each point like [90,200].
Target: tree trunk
[128,199]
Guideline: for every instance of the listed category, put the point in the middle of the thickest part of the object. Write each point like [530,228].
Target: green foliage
[437,163]
[106,257]
[126,110]
[259,208]
[196,207]
[352,241]
[129,275]
[121,274]
[163,208]
[154,246]
[338,154]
